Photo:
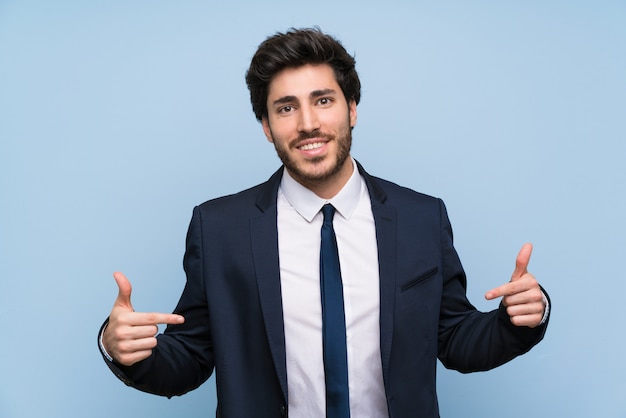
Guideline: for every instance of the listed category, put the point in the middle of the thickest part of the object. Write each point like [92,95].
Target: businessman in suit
[253,309]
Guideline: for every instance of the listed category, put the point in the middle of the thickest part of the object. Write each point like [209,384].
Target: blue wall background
[117,117]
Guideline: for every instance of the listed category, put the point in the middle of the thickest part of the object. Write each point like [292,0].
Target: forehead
[301,81]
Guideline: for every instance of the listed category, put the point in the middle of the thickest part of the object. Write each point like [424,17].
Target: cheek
[338,124]
[281,130]
[338,120]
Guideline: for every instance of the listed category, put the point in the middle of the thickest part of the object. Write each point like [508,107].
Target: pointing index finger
[508,289]
[155,318]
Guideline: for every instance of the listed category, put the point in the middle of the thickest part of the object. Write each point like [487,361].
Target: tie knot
[329,211]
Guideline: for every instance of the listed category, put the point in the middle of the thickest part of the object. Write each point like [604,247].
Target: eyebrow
[318,93]
[314,94]
[284,99]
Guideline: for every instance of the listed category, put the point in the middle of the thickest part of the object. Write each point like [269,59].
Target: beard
[314,171]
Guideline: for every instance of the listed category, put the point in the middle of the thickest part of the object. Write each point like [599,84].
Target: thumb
[521,263]
[125,289]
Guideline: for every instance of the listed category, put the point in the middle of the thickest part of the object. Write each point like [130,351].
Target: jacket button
[283,410]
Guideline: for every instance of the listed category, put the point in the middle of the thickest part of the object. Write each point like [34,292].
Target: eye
[325,101]
[285,109]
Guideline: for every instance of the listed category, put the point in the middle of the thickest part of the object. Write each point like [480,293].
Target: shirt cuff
[101,344]
[546,311]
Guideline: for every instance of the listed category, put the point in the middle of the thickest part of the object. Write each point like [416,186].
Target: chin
[321,171]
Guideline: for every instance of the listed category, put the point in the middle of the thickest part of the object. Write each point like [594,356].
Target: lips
[311,146]
[312,141]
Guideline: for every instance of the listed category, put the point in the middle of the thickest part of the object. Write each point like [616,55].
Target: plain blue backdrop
[117,117]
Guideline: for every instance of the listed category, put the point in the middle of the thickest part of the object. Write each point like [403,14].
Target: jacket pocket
[419,279]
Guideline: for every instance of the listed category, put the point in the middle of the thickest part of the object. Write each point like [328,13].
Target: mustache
[313,134]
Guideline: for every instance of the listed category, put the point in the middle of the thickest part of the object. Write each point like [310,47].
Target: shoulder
[233,201]
[389,193]
[409,206]
[248,202]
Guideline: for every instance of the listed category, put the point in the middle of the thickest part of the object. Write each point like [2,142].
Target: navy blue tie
[333,322]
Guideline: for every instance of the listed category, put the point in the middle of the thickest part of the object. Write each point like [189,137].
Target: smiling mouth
[311,146]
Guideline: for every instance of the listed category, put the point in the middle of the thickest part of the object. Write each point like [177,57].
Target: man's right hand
[130,336]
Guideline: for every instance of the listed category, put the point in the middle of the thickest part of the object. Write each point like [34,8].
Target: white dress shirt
[299,237]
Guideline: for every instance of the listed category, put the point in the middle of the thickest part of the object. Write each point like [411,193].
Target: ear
[353,114]
[266,129]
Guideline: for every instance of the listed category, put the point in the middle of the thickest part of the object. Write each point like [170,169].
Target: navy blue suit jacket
[234,319]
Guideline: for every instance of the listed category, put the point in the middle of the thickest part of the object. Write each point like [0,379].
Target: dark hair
[295,48]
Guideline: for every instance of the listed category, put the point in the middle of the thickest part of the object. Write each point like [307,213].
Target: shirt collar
[308,204]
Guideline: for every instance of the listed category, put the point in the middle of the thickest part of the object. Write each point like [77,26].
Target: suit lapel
[264,236]
[385,220]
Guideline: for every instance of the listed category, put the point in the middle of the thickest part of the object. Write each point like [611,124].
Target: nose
[309,120]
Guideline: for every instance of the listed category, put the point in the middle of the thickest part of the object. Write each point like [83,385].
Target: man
[253,307]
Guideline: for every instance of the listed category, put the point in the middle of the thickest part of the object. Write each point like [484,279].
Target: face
[309,122]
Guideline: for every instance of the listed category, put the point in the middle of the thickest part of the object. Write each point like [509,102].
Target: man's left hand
[522,296]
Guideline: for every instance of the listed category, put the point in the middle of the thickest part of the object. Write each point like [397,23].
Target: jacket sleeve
[470,340]
[183,357]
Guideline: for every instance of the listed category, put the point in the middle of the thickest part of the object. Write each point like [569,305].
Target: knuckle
[124,347]
[123,333]
[511,311]
[120,334]
[152,343]
[152,318]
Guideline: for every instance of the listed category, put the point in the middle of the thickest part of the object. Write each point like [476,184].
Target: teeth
[309,147]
